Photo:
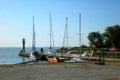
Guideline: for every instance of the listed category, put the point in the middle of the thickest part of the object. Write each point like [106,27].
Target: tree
[112,36]
[95,39]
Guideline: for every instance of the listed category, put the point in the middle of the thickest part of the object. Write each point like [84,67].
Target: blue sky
[16,20]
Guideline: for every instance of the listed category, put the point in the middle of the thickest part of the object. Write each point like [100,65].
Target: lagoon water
[9,55]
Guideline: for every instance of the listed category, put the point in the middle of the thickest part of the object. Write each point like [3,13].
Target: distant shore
[61,71]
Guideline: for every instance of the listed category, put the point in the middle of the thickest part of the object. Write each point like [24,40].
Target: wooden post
[23,43]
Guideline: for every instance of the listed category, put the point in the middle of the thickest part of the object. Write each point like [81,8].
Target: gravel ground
[61,71]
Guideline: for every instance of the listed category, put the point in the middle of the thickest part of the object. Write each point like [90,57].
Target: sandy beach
[61,71]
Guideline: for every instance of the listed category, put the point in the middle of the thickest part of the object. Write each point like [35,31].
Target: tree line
[108,39]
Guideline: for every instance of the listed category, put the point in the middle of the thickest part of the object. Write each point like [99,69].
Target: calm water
[10,55]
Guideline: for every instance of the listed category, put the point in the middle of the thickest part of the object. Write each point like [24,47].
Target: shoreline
[88,59]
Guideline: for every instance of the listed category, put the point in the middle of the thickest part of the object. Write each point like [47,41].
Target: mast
[51,34]
[63,44]
[33,41]
[66,25]
[79,32]
[65,38]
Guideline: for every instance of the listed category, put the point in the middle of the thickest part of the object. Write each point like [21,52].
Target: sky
[16,20]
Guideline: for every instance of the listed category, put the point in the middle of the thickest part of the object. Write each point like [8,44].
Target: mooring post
[23,43]
[103,55]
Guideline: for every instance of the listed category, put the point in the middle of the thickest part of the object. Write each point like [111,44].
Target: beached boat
[73,53]
[54,59]
[35,56]
[32,57]
[87,54]
[75,60]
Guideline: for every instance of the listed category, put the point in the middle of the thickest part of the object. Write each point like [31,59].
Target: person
[41,50]
[21,51]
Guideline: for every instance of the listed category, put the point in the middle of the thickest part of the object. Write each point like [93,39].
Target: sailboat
[76,54]
[31,56]
[65,39]
[53,58]
[51,36]
[34,55]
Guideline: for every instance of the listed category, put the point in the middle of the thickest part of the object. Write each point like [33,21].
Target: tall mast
[79,32]
[65,38]
[51,34]
[33,42]
[67,31]
[63,44]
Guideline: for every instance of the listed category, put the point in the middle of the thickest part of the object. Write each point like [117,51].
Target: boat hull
[75,60]
[52,60]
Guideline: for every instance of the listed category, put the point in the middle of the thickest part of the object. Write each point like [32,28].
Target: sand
[61,71]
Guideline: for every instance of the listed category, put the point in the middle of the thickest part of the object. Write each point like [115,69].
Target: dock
[42,55]
[24,54]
